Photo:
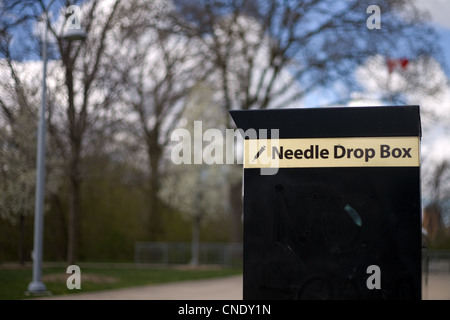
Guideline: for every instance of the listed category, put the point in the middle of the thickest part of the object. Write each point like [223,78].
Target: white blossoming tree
[19,98]
[198,190]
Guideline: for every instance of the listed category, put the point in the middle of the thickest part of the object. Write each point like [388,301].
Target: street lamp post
[36,286]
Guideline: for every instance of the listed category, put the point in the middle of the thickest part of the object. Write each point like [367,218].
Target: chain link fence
[437,261]
[165,253]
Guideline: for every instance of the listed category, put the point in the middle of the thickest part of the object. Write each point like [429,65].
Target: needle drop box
[331,203]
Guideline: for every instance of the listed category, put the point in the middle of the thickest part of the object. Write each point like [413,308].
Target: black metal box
[332,203]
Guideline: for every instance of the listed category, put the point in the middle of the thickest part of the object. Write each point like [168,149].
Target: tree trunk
[62,226]
[195,244]
[154,156]
[21,240]
[75,135]
[155,215]
[74,208]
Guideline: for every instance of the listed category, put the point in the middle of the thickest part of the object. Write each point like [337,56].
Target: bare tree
[83,64]
[80,97]
[159,69]
[438,197]
[318,41]
[270,54]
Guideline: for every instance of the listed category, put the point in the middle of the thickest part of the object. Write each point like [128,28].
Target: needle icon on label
[259,153]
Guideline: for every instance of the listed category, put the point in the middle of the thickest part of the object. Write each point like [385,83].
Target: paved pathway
[438,285]
[228,288]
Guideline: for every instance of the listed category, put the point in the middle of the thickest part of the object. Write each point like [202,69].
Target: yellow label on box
[332,152]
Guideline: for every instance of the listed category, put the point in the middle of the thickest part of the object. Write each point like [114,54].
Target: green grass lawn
[14,280]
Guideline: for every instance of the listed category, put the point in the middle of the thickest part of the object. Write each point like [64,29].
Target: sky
[439,11]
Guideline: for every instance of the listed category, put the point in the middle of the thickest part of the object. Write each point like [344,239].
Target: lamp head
[75,34]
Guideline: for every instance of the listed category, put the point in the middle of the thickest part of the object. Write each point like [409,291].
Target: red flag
[393,64]
[404,63]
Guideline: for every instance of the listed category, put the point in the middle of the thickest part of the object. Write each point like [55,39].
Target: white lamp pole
[36,286]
